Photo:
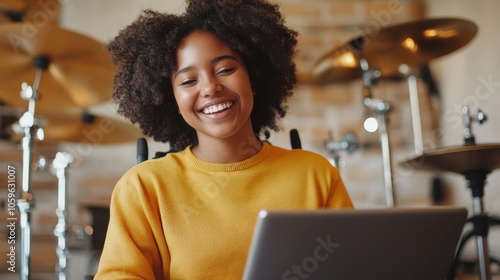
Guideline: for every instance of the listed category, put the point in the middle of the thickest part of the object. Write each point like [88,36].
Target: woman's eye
[225,71]
[188,82]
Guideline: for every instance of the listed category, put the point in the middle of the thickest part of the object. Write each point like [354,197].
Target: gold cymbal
[79,72]
[459,159]
[413,43]
[339,65]
[13,5]
[82,127]
[78,126]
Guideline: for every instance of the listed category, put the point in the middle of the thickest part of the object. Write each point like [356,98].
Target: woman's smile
[217,108]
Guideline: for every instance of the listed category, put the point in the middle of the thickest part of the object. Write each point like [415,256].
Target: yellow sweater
[178,217]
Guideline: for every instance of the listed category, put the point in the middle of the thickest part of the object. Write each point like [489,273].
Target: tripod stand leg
[481,232]
[467,236]
[476,184]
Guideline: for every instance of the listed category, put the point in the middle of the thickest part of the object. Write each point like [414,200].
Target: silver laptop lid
[389,243]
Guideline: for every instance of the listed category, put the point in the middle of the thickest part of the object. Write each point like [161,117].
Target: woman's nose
[211,87]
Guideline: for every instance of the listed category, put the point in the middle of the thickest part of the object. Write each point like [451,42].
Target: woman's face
[212,88]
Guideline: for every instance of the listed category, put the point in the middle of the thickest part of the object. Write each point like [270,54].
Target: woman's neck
[227,150]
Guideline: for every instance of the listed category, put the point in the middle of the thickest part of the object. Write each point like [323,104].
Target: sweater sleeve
[130,250]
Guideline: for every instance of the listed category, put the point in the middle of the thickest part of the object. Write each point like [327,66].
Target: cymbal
[83,127]
[413,43]
[341,64]
[77,126]
[13,5]
[79,73]
[459,159]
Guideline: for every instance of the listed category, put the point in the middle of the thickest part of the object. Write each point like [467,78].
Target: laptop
[385,244]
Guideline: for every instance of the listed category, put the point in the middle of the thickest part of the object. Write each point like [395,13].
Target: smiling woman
[207,81]
[214,95]
[143,85]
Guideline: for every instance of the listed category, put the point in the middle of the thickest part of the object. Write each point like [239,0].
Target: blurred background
[459,67]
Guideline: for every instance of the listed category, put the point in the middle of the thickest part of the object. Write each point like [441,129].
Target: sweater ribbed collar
[228,167]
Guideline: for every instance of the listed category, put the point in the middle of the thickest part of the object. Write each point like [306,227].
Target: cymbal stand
[381,108]
[468,119]
[61,163]
[415,108]
[476,179]
[480,220]
[27,122]
[348,143]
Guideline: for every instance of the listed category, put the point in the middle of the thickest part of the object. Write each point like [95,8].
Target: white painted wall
[461,74]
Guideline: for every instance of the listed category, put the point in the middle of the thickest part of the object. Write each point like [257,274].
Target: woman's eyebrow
[223,57]
[213,61]
[183,70]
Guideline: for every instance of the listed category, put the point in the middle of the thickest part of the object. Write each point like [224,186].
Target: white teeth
[216,108]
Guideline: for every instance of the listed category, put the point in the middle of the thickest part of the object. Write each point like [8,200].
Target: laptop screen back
[395,243]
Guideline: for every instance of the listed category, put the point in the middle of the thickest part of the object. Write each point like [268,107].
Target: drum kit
[71,73]
[397,51]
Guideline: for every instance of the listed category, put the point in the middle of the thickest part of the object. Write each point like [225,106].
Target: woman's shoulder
[165,163]
[298,155]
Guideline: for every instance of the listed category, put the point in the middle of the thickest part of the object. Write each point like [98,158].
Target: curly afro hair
[145,53]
